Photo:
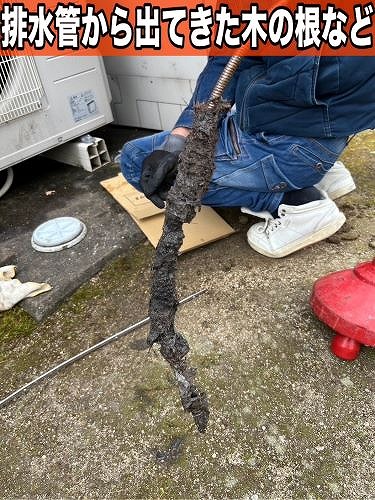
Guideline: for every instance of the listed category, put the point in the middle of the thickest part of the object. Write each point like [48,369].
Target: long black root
[195,170]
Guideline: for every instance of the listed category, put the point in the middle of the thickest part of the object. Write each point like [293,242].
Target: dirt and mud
[195,169]
[289,420]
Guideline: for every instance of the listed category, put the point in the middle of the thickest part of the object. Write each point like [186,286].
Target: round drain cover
[57,234]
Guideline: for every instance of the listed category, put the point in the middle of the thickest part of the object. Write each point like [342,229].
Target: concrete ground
[288,420]
[44,189]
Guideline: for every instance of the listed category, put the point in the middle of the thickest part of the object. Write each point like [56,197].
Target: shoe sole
[342,191]
[324,232]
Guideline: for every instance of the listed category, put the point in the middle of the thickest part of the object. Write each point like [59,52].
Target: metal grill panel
[21,89]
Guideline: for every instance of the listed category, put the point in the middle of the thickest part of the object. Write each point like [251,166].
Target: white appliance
[46,101]
[151,92]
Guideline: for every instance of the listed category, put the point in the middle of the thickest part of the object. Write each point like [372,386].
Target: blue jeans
[251,170]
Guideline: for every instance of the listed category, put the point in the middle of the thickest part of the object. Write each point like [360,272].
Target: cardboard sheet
[206,227]
[134,202]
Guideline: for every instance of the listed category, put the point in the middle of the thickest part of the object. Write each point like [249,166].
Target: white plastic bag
[12,290]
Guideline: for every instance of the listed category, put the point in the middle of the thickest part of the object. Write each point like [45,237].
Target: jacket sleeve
[206,83]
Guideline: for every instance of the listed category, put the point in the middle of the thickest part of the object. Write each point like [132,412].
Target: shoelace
[271,224]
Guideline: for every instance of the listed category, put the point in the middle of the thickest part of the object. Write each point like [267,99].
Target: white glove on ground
[12,290]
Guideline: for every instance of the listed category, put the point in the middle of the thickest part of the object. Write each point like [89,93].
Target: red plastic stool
[345,301]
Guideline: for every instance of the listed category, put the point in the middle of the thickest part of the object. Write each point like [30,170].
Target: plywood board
[206,227]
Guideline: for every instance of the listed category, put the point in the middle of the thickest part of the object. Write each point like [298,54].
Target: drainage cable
[91,349]
[8,181]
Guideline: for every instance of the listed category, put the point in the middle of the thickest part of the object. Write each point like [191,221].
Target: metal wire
[91,349]
[21,88]
[225,77]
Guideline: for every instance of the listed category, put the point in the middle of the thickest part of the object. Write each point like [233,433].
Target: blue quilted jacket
[300,96]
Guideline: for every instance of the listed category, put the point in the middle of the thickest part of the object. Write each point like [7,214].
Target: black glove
[158,174]
[159,169]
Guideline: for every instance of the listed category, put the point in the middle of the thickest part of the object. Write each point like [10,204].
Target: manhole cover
[57,234]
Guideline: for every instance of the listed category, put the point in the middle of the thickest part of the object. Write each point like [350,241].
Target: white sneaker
[337,182]
[295,228]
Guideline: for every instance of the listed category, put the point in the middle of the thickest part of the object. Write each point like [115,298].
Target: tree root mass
[196,166]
